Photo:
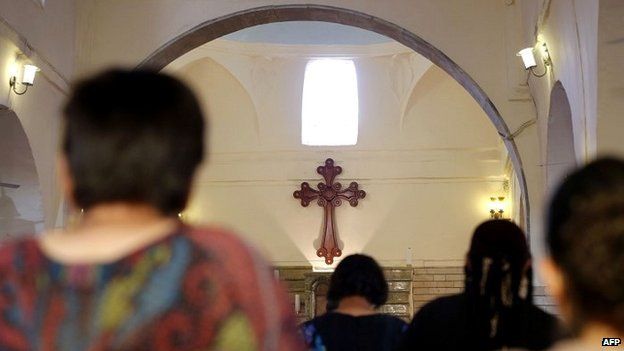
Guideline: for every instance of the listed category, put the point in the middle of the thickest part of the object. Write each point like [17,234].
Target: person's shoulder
[569,345]
[444,302]
[8,247]
[393,320]
[309,331]
[394,323]
[311,323]
[328,319]
[18,252]
[325,318]
[231,256]
[442,311]
[539,314]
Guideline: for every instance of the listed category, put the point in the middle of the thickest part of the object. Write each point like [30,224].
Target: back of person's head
[358,275]
[132,137]
[585,238]
[498,278]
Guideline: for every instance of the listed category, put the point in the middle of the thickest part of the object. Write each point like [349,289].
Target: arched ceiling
[307,33]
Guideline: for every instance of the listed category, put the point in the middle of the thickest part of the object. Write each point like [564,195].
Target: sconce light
[28,79]
[529,59]
[497,207]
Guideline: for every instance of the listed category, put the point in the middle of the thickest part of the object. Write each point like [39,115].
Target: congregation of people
[132,276]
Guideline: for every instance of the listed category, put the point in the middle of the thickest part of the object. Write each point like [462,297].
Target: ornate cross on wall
[329,196]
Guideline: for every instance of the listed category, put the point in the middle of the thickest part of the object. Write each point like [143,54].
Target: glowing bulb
[493,204]
[502,205]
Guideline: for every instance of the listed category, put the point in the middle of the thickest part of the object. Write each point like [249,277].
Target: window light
[329,111]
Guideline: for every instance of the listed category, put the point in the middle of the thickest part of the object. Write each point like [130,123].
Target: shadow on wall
[561,157]
[21,205]
[11,222]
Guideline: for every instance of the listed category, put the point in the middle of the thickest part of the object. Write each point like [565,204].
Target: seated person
[495,310]
[358,288]
[585,268]
[130,276]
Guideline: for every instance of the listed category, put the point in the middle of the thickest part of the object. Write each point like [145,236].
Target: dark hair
[498,280]
[133,136]
[358,275]
[585,237]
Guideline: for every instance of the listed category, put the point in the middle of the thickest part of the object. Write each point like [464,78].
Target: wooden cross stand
[329,196]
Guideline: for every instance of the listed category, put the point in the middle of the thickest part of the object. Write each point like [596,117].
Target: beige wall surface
[21,209]
[481,36]
[610,124]
[427,155]
[478,35]
[43,36]
[49,30]
[569,29]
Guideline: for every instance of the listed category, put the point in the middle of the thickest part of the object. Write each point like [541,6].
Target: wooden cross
[329,196]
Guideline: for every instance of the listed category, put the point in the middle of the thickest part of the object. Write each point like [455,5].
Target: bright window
[329,111]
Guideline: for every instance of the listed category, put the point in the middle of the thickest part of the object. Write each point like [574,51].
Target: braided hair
[498,282]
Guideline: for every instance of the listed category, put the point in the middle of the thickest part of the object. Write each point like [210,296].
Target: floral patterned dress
[196,289]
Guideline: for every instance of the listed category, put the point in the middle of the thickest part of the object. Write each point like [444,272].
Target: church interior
[427,106]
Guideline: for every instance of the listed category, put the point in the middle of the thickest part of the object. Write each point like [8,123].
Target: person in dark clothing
[359,287]
[495,311]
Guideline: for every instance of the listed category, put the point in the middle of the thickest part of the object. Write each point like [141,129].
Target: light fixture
[28,79]
[528,58]
[497,207]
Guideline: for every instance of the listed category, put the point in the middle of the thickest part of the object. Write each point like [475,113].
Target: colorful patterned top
[196,289]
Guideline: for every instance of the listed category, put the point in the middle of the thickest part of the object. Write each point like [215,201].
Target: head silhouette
[585,238]
[132,137]
[358,275]
[498,279]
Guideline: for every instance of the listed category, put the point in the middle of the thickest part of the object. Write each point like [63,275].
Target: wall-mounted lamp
[28,79]
[528,58]
[497,207]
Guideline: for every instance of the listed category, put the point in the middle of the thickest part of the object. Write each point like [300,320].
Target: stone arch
[21,203]
[560,155]
[218,27]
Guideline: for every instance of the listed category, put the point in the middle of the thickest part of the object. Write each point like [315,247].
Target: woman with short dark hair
[130,275]
[585,270]
[358,288]
[495,311]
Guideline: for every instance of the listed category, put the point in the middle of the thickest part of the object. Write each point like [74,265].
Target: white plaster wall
[44,36]
[470,32]
[560,157]
[49,30]
[427,155]
[610,124]
[477,35]
[21,209]
[569,28]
